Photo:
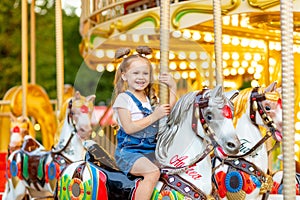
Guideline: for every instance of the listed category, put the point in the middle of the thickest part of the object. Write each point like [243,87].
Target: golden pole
[59,54]
[164,48]
[218,41]
[24,57]
[287,57]
[32,44]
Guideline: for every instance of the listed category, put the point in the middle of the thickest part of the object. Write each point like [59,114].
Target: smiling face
[138,75]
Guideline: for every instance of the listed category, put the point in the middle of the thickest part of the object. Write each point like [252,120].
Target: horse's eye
[209,117]
[268,108]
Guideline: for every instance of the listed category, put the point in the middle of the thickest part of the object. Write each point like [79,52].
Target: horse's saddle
[99,156]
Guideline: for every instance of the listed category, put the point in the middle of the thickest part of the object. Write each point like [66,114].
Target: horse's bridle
[201,102]
[74,132]
[256,105]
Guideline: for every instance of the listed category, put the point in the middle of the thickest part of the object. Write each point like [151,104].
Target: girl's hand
[168,80]
[161,111]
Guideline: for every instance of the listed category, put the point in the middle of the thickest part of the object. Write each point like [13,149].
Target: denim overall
[137,145]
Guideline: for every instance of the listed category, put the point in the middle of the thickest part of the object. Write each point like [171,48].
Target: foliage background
[75,70]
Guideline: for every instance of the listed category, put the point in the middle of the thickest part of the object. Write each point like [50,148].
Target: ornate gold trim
[200,8]
[102,32]
[263,4]
[266,185]
[152,17]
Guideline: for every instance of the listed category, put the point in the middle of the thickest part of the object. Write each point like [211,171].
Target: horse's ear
[25,119]
[77,95]
[271,87]
[231,94]
[12,117]
[91,98]
[279,90]
[217,91]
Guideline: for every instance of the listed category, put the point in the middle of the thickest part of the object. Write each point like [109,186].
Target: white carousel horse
[36,172]
[199,122]
[245,176]
[19,128]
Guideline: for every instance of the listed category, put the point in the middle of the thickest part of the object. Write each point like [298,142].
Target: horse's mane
[241,101]
[240,104]
[166,133]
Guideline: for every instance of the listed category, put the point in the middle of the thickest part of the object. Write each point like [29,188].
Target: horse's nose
[86,129]
[233,147]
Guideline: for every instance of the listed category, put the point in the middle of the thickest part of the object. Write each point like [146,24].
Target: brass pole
[59,54]
[218,41]
[24,57]
[32,44]
[164,47]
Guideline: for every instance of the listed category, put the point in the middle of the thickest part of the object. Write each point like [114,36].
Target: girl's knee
[153,175]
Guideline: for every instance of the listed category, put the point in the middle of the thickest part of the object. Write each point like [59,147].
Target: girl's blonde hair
[119,83]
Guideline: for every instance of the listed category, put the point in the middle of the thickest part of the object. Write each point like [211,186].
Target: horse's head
[19,127]
[273,108]
[215,117]
[265,108]
[79,114]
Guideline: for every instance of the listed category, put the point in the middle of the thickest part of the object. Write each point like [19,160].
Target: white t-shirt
[123,100]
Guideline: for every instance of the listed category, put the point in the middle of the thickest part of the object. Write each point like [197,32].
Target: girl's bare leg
[144,167]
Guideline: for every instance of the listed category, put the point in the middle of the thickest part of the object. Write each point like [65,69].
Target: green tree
[10,45]
[74,67]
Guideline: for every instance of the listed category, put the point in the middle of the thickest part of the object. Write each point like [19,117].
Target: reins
[74,132]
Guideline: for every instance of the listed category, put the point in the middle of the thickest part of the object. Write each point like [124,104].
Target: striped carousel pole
[287,58]
[24,57]
[59,54]
[218,41]
[164,48]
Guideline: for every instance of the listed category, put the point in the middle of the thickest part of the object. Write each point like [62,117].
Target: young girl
[137,120]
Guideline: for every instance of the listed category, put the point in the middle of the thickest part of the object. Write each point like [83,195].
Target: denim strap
[144,110]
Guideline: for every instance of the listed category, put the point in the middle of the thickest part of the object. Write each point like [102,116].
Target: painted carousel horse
[245,176]
[20,127]
[35,172]
[199,122]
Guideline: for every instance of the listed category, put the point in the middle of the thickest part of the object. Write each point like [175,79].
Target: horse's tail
[160,151]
